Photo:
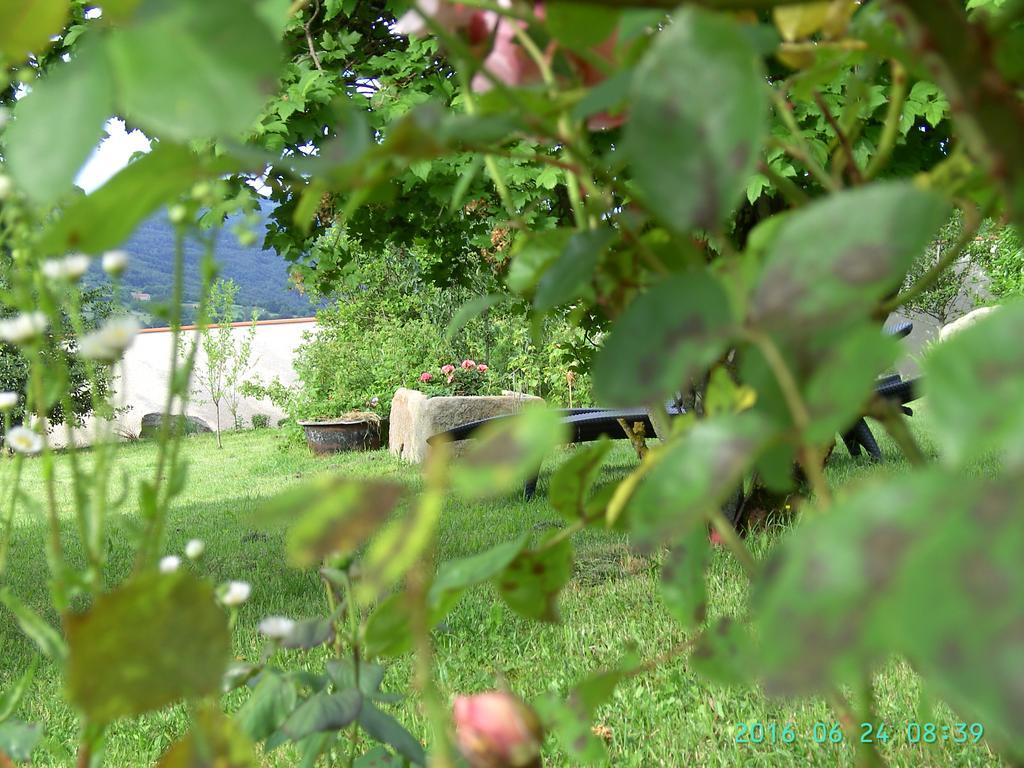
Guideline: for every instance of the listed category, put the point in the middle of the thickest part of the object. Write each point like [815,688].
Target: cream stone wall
[142,383]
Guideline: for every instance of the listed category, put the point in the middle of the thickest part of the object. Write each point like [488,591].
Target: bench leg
[530,488]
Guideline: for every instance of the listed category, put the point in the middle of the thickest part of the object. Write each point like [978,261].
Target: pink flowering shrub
[466,378]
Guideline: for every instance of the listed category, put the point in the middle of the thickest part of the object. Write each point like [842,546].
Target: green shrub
[260,421]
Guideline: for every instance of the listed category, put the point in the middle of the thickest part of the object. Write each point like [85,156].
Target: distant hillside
[262,275]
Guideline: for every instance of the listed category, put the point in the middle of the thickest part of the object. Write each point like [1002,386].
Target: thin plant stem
[810,457]
[973,218]
[896,426]
[844,140]
[416,594]
[891,126]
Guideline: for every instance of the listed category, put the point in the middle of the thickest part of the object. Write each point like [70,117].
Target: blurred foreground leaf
[927,565]
[974,383]
[156,639]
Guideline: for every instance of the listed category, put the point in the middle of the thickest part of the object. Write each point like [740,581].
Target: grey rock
[152,423]
[415,418]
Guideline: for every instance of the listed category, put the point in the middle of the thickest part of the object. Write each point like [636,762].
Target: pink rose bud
[467,364]
[447,369]
[497,730]
[426,376]
[482,368]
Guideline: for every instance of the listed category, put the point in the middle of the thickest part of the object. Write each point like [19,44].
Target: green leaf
[830,262]
[845,380]
[667,336]
[324,712]
[974,384]
[214,742]
[309,633]
[532,254]
[581,25]
[470,311]
[388,629]
[507,453]
[683,584]
[926,565]
[571,482]
[104,219]
[531,583]
[45,150]
[46,638]
[697,121]
[692,476]
[455,576]
[333,515]
[26,26]
[193,70]
[12,697]
[271,701]
[156,639]
[723,654]
[384,728]
[17,739]
[342,673]
[568,277]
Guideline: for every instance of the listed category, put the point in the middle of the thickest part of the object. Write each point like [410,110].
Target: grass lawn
[667,718]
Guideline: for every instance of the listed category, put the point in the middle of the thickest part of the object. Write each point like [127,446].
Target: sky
[111,155]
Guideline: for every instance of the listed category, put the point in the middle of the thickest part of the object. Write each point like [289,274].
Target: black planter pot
[336,435]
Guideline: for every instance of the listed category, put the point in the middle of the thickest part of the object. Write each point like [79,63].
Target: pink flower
[497,730]
[447,369]
[508,61]
[467,364]
[482,368]
[451,378]
[425,377]
[472,23]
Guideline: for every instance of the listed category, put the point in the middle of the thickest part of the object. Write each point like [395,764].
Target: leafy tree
[227,359]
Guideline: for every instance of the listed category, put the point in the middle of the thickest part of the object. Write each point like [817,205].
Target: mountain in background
[261,275]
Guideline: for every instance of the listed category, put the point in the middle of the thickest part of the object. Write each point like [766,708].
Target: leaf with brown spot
[667,336]
[683,584]
[830,262]
[330,515]
[696,473]
[531,582]
[723,653]
[507,453]
[691,150]
[904,566]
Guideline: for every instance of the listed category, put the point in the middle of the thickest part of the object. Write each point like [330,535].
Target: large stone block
[415,418]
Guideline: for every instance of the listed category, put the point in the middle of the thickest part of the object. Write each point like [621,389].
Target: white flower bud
[7,401]
[70,268]
[194,549]
[276,627]
[234,593]
[177,213]
[115,262]
[169,564]
[25,441]
[109,343]
[6,186]
[23,328]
